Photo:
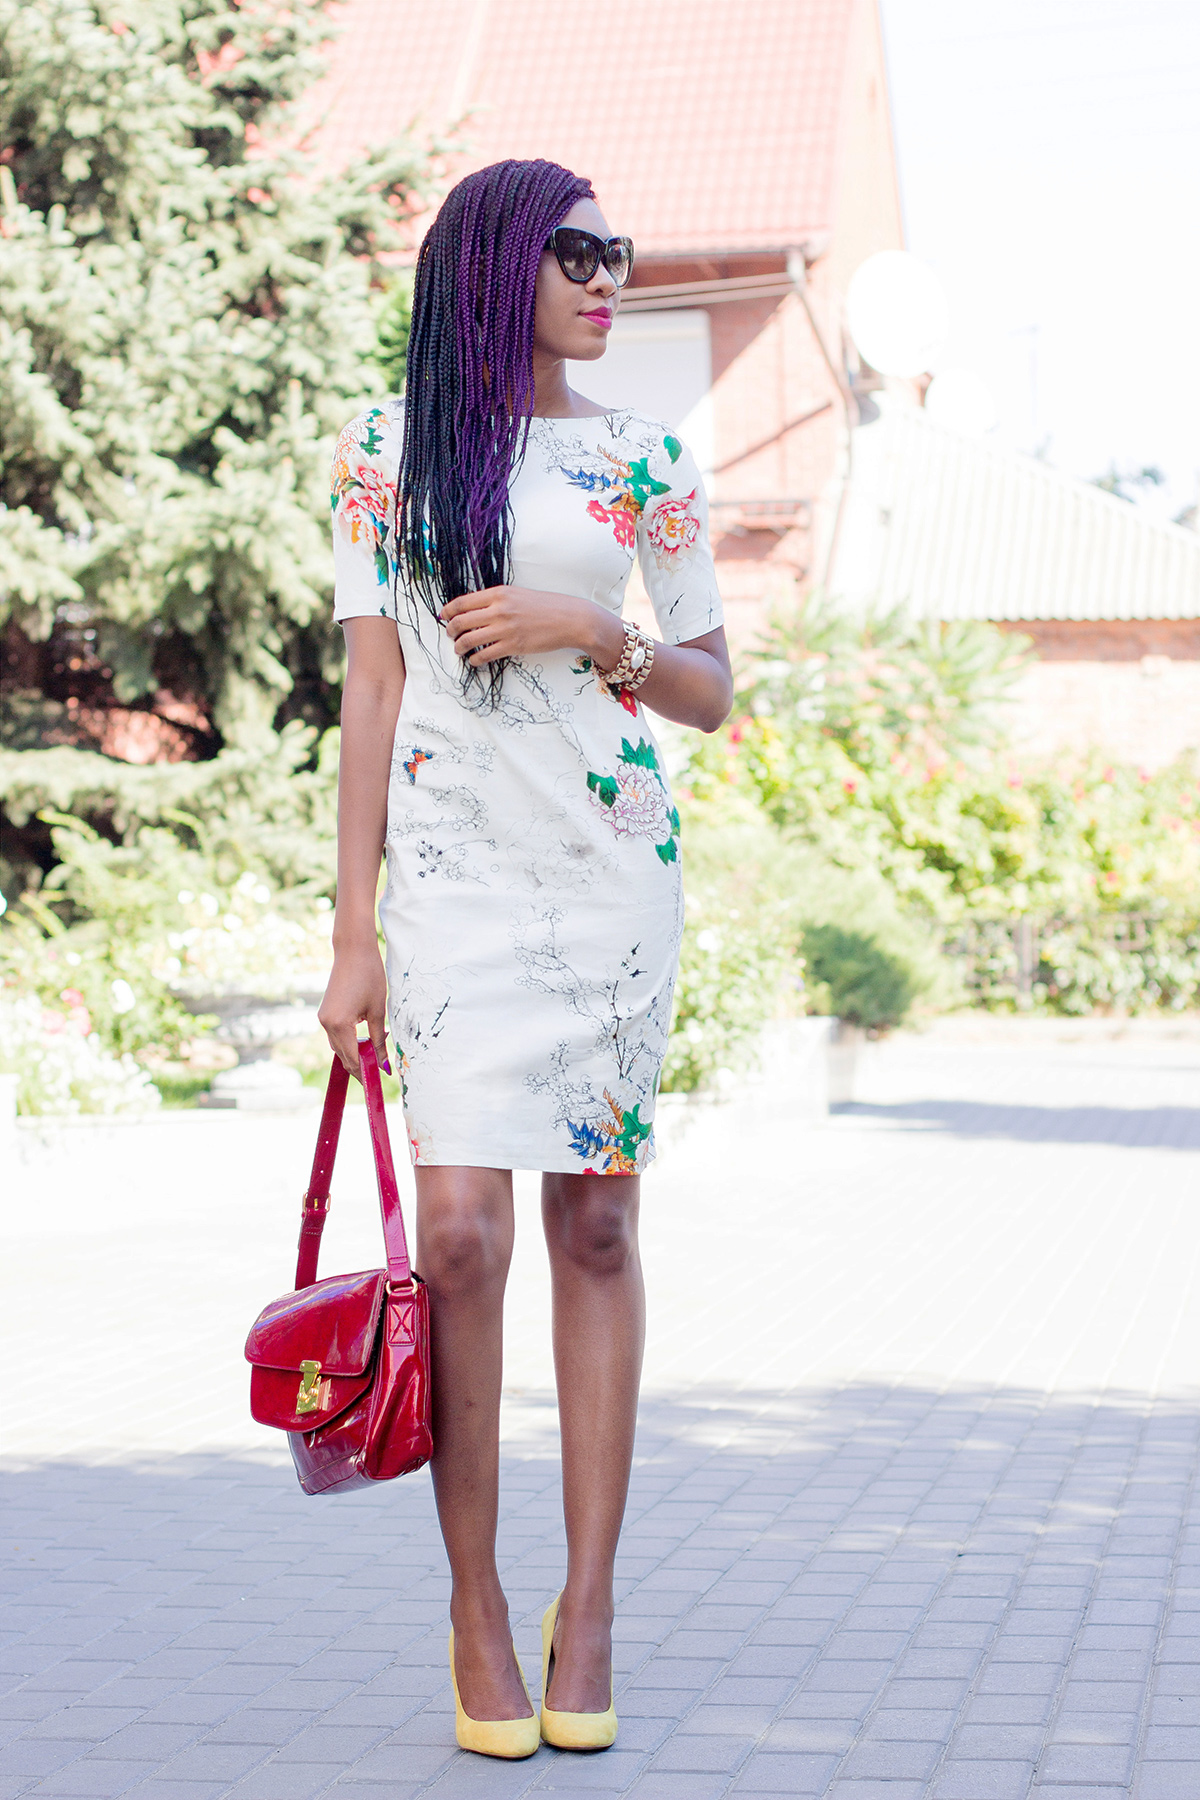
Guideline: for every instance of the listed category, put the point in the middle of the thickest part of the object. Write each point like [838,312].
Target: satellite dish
[961,400]
[897,311]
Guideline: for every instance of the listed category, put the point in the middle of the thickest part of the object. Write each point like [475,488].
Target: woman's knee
[463,1241]
[459,1249]
[595,1228]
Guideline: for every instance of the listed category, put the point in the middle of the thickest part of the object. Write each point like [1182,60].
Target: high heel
[568,1730]
[511,1738]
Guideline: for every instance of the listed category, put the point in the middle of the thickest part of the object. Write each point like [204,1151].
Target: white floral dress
[533,905]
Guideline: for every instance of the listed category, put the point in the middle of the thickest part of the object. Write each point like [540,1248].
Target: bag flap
[333,1323]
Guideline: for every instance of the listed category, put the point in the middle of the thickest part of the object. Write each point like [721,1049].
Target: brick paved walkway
[913,1513]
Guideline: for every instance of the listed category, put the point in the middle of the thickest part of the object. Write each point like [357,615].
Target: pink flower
[363,511]
[623,522]
[673,530]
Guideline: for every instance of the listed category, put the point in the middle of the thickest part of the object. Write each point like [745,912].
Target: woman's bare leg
[464,1246]
[599,1331]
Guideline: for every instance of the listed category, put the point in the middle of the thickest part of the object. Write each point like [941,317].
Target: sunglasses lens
[618,259]
[578,253]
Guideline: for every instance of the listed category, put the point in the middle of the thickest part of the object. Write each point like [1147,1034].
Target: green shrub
[860,980]
[740,963]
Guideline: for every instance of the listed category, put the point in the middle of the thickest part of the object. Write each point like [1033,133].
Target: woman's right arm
[357,988]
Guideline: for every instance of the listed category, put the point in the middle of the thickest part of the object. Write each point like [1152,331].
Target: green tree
[186,316]
[393,326]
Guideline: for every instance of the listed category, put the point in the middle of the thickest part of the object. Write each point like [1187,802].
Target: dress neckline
[618,412]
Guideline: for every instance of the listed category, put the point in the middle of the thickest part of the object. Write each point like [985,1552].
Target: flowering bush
[62,1064]
[134,935]
[880,750]
[241,943]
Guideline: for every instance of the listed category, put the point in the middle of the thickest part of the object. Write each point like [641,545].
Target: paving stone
[1101,1763]
[212,1762]
[803,1774]
[705,1752]
[90,1780]
[891,1760]
[990,1780]
[1166,1781]
[38,1756]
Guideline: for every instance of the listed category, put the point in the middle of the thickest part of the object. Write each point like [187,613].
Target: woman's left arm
[690,683]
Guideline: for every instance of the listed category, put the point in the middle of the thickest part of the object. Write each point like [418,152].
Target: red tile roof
[703,124]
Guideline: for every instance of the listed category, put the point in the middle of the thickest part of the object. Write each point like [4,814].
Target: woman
[494,742]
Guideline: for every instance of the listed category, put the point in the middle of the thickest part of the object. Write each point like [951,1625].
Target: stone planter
[845,1045]
[789,1079]
[253,1024]
[8,1111]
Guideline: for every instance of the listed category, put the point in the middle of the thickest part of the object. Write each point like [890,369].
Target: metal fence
[1004,958]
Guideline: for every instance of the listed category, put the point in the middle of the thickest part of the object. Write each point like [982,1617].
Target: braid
[469,395]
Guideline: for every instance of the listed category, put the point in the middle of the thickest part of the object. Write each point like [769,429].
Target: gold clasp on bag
[309,1397]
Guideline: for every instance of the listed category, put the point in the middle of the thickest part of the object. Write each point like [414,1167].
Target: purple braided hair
[469,396]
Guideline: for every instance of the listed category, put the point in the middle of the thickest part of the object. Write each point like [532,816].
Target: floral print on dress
[673,530]
[625,487]
[583,665]
[613,1142]
[635,799]
[361,501]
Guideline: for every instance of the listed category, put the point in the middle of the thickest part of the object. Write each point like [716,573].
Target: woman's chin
[588,349]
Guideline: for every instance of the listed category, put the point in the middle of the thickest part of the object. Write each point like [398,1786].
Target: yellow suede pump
[511,1738]
[567,1730]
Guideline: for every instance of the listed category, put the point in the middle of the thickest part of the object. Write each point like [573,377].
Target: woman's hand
[356,992]
[689,682]
[518,621]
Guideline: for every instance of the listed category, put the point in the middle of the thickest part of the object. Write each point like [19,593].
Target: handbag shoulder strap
[315,1206]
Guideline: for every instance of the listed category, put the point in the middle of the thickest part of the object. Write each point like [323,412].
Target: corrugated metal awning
[962,529]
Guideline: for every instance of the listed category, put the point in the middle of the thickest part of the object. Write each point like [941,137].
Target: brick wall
[1128,687]
[1145,712]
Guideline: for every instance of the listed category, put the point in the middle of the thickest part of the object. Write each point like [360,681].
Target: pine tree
[185,320]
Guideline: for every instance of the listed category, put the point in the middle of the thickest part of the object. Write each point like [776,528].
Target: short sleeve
[673,548]
[366,460]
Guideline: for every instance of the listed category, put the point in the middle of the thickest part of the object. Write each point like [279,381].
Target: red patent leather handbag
[342,1365]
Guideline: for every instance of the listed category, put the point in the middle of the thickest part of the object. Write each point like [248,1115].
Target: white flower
[123,997]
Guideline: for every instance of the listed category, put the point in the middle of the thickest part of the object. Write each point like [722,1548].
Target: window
[660,362]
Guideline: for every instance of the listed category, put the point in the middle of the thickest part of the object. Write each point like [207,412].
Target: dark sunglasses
[580,254]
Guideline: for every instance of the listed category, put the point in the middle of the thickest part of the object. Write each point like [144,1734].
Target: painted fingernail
[386,1066]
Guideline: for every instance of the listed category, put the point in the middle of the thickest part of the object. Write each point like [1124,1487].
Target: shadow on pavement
[805,1578]
[1150,1127]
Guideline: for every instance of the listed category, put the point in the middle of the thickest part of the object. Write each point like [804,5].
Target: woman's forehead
[587,216]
